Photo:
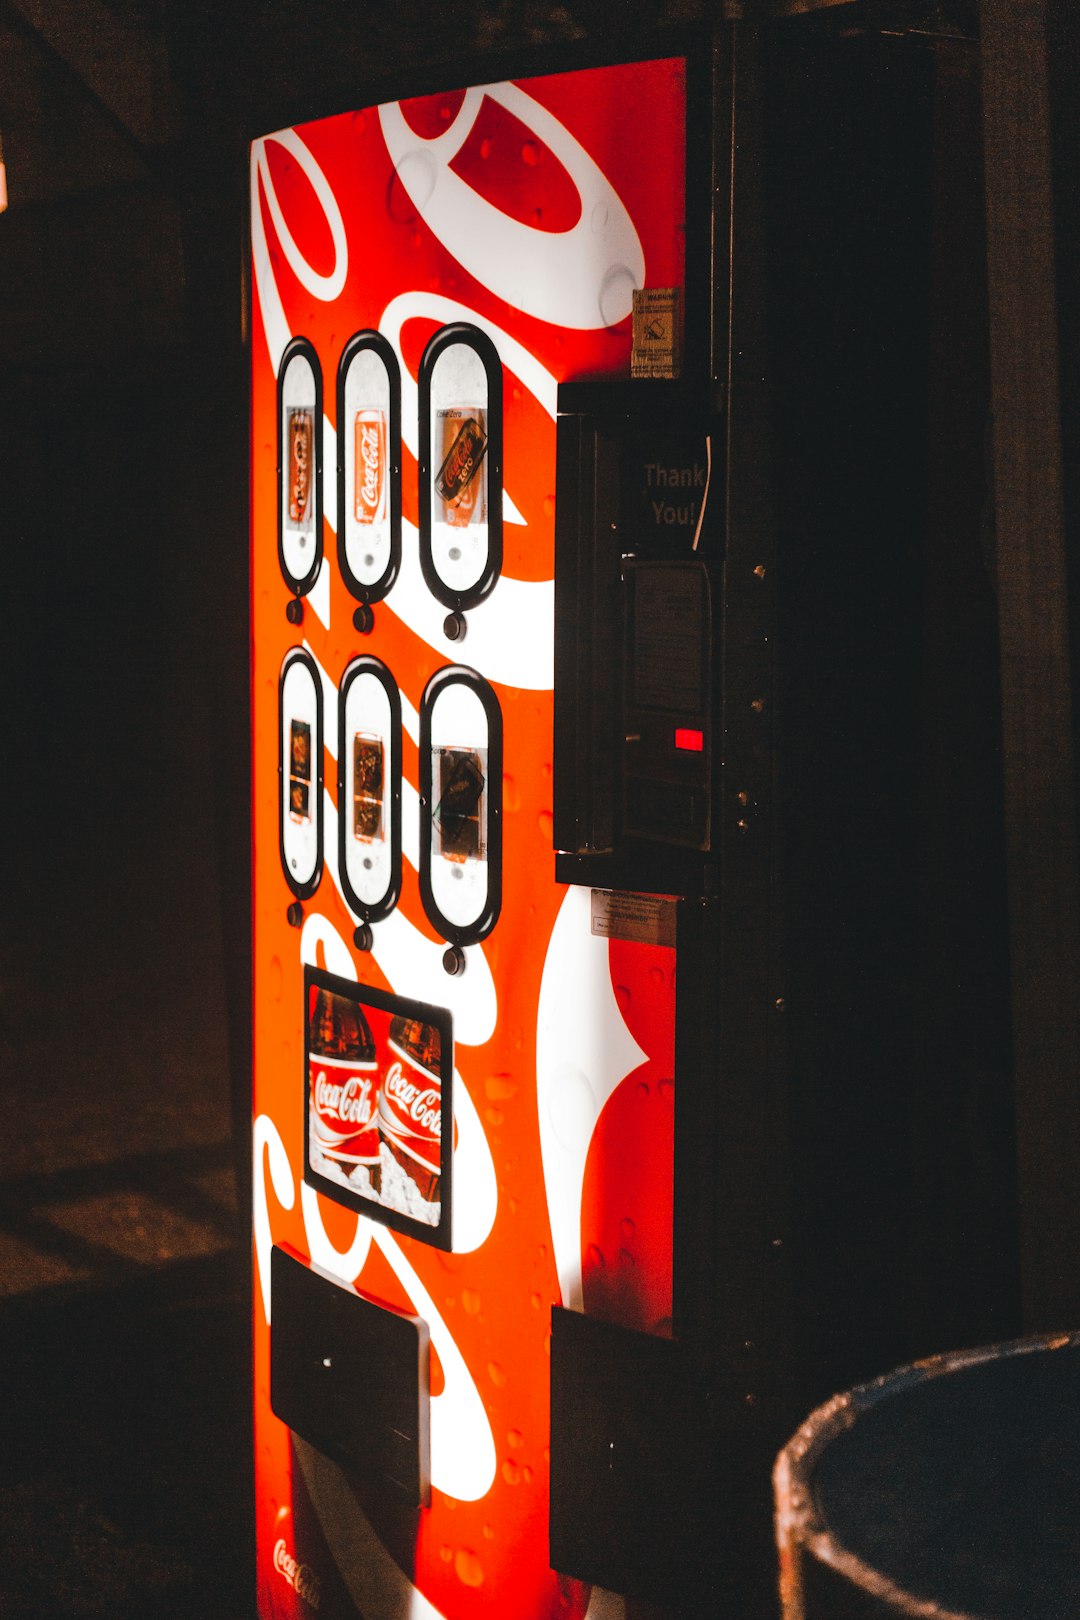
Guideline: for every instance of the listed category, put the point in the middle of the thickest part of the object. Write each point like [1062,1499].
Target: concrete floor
[124,1409]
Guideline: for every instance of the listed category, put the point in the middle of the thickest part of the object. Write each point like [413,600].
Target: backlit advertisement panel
[463,1081]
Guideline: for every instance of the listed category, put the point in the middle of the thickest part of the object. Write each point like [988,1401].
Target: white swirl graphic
[582,278]
[583,1051]
[325,288]
[462,1445]
[266,1139]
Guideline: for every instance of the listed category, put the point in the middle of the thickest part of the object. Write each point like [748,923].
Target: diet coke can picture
[378,1081]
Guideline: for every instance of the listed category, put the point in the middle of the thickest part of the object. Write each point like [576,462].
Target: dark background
[124,1481]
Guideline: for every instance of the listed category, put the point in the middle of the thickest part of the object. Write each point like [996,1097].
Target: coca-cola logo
[371,462]
[301,1577]
[421,1105]
[351,1102]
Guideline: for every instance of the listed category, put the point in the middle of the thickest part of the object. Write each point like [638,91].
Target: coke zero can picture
[461,481]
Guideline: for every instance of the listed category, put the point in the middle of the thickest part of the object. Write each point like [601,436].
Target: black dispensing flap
[633,1507]
[352,1378]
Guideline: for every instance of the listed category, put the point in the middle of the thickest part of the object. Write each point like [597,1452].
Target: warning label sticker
[644,919]
[655,350]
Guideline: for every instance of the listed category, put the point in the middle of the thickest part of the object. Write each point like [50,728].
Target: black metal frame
[462,332]
[301,346]
[302,891]
[367,665]
[472,934]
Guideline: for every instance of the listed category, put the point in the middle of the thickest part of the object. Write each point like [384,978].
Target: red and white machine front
[464,1071]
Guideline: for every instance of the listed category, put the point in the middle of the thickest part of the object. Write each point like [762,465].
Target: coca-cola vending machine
[492,1376]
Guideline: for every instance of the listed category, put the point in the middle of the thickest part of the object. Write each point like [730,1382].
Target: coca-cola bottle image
[344,1097]
[410,1114]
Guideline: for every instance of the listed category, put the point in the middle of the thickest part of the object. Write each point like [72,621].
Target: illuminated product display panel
[525,212]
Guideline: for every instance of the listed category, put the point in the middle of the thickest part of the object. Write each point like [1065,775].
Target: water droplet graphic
[515,1439]
[616,294]
[470,1301]
[599,216]
[511,1472]
[496,1374]
[276,977]
[530,153]
[627,1228]
[468,1567]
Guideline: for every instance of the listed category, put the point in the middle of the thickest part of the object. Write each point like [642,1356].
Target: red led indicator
[692,741]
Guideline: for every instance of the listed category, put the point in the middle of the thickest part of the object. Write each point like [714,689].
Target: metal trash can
[949,1489]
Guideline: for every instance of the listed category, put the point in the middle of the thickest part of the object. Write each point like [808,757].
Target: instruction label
[643,919]
[655,350]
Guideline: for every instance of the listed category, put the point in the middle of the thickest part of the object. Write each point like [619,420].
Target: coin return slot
[352,1378]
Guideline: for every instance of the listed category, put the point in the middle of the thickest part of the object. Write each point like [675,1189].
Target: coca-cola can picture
[369,467]
[301,442]
[379,1072]
[461,481]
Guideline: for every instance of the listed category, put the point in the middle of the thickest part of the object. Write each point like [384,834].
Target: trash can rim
[799,1523]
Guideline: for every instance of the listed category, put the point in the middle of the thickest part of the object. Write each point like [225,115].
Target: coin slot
[300,416]
[460,388]
[369,466]
[461,805]
[369,788]
[300,771]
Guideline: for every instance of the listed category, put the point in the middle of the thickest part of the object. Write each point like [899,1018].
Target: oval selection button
[301,754]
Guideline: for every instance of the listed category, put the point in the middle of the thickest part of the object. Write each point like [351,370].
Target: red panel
[527,210]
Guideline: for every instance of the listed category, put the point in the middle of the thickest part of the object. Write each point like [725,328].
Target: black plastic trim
[481,344]
[378,345]
[366,665]
[301,346]
[302,891]
[481,928]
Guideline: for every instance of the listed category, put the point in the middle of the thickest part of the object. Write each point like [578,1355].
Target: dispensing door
[464,1070]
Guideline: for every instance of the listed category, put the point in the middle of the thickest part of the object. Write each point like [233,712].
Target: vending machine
[495,1371]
